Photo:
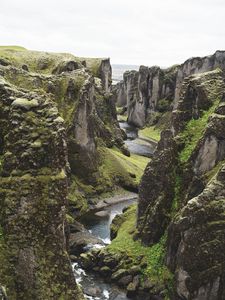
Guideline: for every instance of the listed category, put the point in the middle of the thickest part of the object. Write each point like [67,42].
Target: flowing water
[135,144]
[94,287]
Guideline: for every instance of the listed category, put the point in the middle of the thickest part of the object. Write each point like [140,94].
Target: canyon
[142,160]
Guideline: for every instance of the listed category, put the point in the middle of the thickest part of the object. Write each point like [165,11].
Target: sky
[159,32]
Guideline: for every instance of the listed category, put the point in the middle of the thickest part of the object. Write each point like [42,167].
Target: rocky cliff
[81,89]
[33,193]
[57,118]
[182,190]
[150,92]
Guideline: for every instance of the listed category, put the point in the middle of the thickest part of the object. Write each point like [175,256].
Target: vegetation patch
[194,131]
[119,166]
[150,132]
[177,192]
[153,256]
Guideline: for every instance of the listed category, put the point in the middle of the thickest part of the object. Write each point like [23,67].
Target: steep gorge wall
[51,125]
[182,190]
[33,194]
[153,90]
[69,82]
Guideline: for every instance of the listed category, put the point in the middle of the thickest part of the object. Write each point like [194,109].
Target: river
[136,144]
[93,286]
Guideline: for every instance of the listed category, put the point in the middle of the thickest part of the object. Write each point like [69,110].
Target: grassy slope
[152,256]
[134,164]
[113,177]
[43,62]
[194,131]
[150,132]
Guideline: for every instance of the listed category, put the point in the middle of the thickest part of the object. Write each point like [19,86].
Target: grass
[153,256]
[14,48]
[44,62]
[150,132]
[114,177]
[210,174]
[194,131]
[119,164]
[122,118]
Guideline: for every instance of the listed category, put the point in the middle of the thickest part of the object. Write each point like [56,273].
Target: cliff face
[51,126]
[33,193]
[182,190]
[69,81]
[152,91]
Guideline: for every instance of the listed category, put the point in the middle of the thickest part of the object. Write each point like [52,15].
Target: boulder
[82,241]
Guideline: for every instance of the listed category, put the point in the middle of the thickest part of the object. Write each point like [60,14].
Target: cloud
[161,32]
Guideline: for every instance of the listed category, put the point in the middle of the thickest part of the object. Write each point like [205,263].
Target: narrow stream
[94,287]
[136,144]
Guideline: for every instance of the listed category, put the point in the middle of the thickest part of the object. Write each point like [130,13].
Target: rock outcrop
[84,102]
[156,191]
[149,92]
[33,193]
[56,114]
[182,194]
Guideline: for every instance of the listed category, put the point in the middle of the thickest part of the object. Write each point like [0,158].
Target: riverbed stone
[105,271]
[134,270]
[119,274]
[81,240]
[102,213]
[93,291]
[125,280]
[148,285]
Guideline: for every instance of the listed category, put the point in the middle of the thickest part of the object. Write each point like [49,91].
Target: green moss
[119,166]
[150,132]
[209,175]
[17,48]
[93,64]
[153,256]
[194,131]
[163,105]
[122,118]
[44,62]
[78,193]
[177,191]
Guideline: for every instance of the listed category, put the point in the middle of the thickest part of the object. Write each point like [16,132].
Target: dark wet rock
[115,225]
[148,285]
[134,270]
[80,241]
[119,274]
[93,291]
[77,227]
[66,66]
[105,271]
[132,288]
[125,280]
[25,68]
[73,258]
[156,191]
[4,62]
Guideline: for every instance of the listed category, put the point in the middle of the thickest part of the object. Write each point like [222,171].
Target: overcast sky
[159,32]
